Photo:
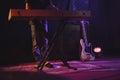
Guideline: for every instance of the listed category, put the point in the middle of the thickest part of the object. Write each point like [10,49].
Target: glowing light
[97,49]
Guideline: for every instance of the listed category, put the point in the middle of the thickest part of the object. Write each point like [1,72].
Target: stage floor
[99,69]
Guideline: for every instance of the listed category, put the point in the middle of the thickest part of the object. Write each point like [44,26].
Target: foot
[68,66]
[49,65]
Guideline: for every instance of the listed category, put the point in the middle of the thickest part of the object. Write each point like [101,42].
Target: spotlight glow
[97,49]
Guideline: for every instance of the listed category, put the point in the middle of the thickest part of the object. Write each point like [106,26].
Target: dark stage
[99,69]
[16,58]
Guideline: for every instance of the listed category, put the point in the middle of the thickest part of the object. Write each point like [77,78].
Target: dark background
[15,43]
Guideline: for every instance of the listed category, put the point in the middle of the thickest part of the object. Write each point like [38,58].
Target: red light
[97,49]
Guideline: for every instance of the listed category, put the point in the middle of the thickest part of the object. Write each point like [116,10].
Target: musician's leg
[42,40]
[61,55]
[35,47]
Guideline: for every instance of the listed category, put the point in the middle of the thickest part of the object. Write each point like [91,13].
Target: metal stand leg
[50,46]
